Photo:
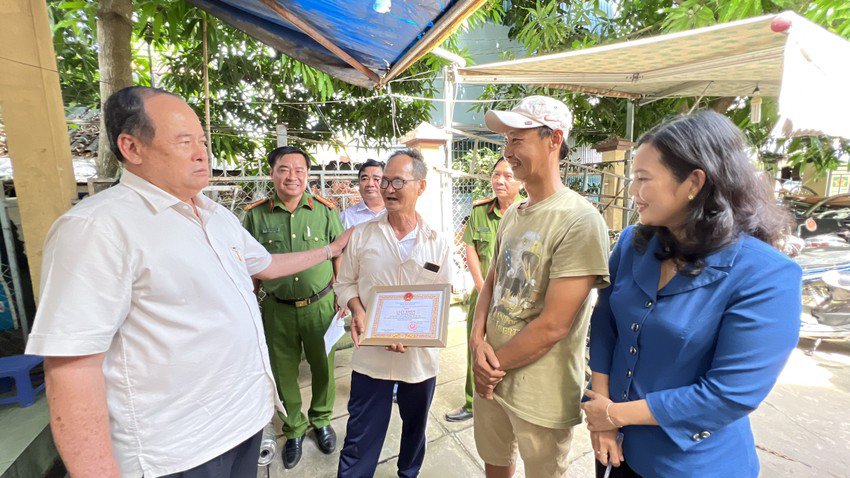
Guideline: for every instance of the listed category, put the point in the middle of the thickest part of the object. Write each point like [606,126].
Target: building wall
[485,44]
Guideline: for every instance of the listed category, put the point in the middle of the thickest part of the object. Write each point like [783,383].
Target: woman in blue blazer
[702,312]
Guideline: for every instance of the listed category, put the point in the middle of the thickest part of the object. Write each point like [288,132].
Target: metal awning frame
[714,76]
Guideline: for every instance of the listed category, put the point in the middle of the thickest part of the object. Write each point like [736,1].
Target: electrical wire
[307,102]
[396,132]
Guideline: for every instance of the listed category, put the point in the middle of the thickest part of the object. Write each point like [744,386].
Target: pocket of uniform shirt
[484,240]
[314,240]
[485,236]
[272,242]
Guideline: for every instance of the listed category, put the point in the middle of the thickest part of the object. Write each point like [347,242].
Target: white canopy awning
[783,55]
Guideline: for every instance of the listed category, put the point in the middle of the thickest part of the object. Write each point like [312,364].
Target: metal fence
[16,304]
[471,147]
[465,191]
[468,186]
[605,188]
[236,192]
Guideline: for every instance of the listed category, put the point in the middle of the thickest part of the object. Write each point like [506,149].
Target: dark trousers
[238,462]
[622,471]
[369,410]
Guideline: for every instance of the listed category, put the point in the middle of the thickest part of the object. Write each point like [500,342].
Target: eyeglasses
[397,183]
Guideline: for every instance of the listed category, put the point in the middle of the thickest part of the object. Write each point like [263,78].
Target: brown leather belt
[309,300]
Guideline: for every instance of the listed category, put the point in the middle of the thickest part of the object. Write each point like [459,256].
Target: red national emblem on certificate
[411,326]
[408,297]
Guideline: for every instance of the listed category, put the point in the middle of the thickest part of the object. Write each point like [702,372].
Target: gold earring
[690,197]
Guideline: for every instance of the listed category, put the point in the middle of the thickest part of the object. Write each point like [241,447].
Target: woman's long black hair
[733,199]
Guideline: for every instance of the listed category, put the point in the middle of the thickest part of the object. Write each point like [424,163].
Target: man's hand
[358,325]
[338,245]
[342,311]
[398,348]
[283,265]
[358,320]
[485,368]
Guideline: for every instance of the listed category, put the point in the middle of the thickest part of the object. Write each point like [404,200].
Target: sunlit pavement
[801,430]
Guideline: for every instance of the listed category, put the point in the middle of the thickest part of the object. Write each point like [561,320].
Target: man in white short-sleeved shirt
[372,204]
[156,359]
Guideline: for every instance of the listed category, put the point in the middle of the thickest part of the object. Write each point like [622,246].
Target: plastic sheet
[376,33]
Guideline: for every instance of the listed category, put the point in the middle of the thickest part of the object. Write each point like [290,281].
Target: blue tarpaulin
[384,36]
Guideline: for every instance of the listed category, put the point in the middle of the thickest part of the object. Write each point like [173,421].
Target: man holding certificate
[394,279]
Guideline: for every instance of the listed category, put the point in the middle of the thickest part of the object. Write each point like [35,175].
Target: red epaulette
[326,202]
[255,204]
[482,202]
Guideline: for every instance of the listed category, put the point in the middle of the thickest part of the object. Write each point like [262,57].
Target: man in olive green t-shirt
[530,326]
[480,239]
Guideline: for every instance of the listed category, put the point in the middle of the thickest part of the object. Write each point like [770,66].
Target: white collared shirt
[373,258]
[358,214]
[167,295]
[405,244]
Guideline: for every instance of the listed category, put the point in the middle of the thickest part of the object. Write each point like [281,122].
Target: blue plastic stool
[18,368]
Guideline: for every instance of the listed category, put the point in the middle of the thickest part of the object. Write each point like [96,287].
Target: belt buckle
[302,303]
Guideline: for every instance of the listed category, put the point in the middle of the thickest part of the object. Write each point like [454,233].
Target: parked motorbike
[822,249]
[826,294]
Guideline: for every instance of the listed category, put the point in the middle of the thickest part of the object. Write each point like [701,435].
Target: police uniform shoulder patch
[255,204]
[326,202]
[482,202]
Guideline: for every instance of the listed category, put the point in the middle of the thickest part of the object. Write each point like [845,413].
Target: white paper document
[335,331]
[407,315]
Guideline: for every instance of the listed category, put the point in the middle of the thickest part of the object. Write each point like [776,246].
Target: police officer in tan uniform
[298,309]
[480,239]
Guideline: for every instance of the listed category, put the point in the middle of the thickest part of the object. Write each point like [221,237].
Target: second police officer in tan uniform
[480,239]
[298,309]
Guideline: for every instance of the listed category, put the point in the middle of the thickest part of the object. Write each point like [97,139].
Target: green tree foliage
[253,88]
[479,163]
[547,26]
[74,39]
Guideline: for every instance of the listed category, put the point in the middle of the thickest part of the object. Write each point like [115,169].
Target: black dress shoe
[292,452]
[458,415]
[326,438]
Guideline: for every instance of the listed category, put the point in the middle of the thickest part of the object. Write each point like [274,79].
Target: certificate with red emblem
[413,315]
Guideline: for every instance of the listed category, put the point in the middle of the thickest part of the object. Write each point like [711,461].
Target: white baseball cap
[532,112]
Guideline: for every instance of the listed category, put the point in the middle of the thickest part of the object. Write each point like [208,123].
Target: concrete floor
[25,429]
[801,430]
[803,427]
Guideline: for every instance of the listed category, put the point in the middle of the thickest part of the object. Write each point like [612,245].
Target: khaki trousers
[499,433]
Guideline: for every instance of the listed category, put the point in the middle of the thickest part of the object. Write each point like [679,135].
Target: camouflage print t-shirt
[561,236]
